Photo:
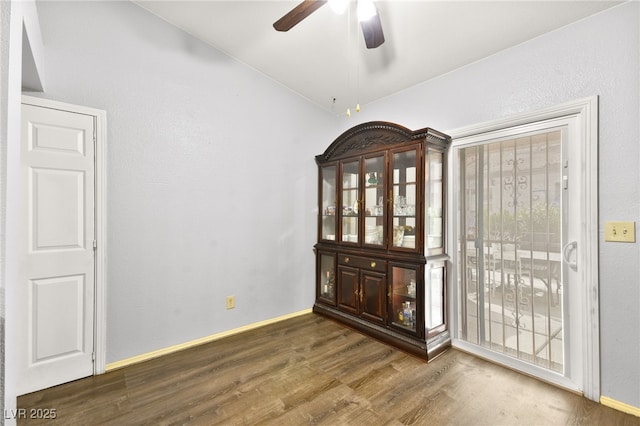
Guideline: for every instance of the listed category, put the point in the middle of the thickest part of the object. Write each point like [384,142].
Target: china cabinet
[381,266]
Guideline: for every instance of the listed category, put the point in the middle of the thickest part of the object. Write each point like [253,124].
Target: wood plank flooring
[311,370]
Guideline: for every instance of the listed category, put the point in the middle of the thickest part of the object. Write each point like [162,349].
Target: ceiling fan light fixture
[366,10]
[338,6]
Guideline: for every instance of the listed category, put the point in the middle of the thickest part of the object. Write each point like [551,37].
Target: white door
[57,259]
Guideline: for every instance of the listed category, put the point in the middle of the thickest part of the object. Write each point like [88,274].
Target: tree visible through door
[510,286]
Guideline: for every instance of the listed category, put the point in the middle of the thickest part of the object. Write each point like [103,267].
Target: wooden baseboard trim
[175,348]
[620,406]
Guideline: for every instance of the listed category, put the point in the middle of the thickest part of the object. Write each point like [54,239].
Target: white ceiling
[324,57]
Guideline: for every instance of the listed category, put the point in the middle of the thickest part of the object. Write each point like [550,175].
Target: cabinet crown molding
[378,134]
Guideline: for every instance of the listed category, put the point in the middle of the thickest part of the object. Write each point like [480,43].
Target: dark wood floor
[310,370]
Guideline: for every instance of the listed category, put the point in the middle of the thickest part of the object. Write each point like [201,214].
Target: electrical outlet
[622,232]
[231,302]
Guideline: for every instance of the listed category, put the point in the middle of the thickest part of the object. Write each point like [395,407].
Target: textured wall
[198,211]
[5,12]
[211,177]
[596,56]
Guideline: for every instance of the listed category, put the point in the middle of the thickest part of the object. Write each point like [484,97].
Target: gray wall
[196,212]
[5,11]
[597,56]
[211,177]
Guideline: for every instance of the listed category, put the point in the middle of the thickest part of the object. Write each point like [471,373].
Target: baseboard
[165,351]
[620,406]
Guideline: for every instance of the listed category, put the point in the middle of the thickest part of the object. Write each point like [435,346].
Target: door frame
[586,112]
[100,211]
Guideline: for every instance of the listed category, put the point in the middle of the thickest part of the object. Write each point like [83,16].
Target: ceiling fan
[367,15]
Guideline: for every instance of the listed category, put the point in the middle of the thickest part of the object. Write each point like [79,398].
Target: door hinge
[93,356]
[95,245]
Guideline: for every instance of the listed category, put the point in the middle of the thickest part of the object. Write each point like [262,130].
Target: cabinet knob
[346,260]
[373,264]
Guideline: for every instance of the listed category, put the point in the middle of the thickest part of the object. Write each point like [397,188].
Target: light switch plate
[621,232]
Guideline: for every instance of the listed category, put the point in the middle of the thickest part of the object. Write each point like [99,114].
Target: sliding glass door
[511,281]
[525,244]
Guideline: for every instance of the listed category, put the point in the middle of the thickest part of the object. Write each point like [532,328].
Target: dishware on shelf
[411,288]
[409,241]
[398,235]
[400,206]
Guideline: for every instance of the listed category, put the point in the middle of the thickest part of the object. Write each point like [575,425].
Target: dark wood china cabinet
[381,260]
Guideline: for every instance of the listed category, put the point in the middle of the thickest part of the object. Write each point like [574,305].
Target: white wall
[5,19]
[18,21]
[186,123]
[211,175]
[597,56]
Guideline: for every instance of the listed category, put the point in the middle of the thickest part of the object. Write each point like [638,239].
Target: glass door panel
[328,196]
[327,278]
[404,193]
[434,296]
[433,195]
[402,292]
[511,285]
[374,201]
[350,201]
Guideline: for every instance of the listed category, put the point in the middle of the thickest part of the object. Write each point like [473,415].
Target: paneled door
[56,278]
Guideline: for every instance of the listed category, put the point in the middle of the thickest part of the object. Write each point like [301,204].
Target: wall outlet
[623,232]
[231,302]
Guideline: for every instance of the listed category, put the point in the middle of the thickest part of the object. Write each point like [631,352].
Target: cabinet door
[405,229]
[375,201]
[326,277]
[328,195]
[350,197]
[373,296]
[434,199]
[348,289]
[435,308]
[404,291]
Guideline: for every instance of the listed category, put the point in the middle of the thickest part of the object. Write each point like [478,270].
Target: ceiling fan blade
[372,31]
[297,14]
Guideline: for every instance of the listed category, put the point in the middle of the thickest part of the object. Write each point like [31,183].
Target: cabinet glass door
[405,172]
[403,293]
[374,200]
[350,201]
[434,296]
[433,197]
[327,277]
[328,196]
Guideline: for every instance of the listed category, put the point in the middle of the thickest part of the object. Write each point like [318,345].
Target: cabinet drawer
[370,263]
